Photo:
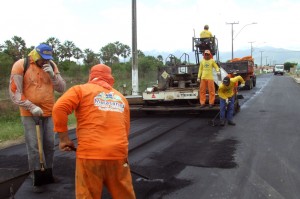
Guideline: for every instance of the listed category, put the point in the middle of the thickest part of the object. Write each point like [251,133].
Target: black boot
[231,123]
[222,123]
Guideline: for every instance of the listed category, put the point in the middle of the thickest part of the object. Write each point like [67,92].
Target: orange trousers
[204,84]
[91,175]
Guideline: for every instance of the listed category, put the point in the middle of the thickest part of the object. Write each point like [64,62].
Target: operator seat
[207,44]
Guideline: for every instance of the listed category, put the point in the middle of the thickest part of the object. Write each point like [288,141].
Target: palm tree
[54,43]
[77,53]
[126,51]
[16,48]
[108,52]
[90,58]
[69,47]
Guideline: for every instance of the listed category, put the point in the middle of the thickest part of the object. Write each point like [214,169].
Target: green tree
[160,58]
[69,47]
[90,58]
[6,63]
[108,54]
[77,53]
[288,66]
[54,43]
[147,64]
[15,48]
[126,51]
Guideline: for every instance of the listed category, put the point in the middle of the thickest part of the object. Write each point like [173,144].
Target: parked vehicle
[279,69]
[243,67]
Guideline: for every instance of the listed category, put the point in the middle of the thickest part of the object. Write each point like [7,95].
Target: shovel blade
[42,177]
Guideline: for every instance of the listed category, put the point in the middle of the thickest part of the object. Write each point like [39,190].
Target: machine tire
[254,82]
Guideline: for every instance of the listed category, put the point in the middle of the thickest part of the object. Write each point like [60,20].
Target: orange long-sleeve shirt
[103,120]
[34,88]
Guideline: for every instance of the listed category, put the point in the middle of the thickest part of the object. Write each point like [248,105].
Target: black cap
[226,80]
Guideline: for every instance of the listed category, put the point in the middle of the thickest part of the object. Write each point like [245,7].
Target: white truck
[279,69]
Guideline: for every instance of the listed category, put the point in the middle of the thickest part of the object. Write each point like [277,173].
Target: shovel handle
[39,142]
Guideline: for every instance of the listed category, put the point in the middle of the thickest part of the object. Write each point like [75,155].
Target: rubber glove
[198,80]
[37,111]
[242,85]
[48,69]
[218,73]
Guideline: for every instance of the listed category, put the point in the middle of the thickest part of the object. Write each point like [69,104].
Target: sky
[162,25]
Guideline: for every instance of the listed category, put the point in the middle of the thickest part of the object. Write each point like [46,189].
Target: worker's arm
[58,82]
[64,106]
[215,65]
[127,118]
[65,144]
[200,70]
[238,79]
[16,87]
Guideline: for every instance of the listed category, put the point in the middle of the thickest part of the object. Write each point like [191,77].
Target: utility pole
[135,77]
[232,23]
[261,58]
[251,46]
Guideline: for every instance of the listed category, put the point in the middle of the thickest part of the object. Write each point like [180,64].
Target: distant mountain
[268,56]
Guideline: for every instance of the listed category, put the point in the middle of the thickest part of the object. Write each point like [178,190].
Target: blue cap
[45,51]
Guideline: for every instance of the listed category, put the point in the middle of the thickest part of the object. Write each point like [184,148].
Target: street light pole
[232,38]
[232,23]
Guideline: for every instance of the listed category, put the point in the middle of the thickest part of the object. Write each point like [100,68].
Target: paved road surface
[258,158]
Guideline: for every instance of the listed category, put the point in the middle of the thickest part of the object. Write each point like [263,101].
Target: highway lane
[255,159]
[258,158]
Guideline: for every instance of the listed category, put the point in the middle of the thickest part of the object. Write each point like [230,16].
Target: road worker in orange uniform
[205,74]
[103,123]
[33,81]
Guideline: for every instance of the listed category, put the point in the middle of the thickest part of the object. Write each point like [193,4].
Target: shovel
[44,175]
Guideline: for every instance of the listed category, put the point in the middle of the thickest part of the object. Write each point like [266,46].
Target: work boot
[56,179]
[211,106]
[231,123]
[222,123]
[38,189]
[202,106]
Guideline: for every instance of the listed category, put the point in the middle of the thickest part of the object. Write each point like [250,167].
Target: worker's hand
[67,146]
[242,85]
[48,69]
[219,73]
[37,111]
[227,101]
[198,80]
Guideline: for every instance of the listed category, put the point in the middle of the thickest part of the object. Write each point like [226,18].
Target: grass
[10,121]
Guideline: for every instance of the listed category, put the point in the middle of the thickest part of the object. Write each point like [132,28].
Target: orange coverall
[103,123]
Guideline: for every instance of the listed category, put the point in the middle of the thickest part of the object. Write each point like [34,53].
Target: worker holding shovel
[226,95]
[32,84]
[103,123]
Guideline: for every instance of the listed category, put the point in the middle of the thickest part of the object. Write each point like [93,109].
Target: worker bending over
[227,95]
